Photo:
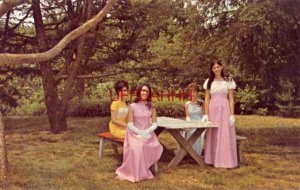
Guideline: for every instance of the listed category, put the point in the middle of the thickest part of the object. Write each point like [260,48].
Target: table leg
[158,130]
[167,154]
[186,147]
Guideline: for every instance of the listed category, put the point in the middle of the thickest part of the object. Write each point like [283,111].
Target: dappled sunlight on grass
[41,160]
[256,122]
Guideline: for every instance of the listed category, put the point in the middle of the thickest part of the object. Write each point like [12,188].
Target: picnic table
[174,127]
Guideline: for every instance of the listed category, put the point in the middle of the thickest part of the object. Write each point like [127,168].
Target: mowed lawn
[40,160]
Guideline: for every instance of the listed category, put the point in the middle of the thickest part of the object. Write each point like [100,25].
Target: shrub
[286,99]
[102,108]
[247,99]
[170,108]
[261,111]
[93,108]
[33,109]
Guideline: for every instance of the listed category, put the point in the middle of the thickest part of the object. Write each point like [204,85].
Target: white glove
[143,133]
[151,128]
[231,121]
[188,118]
[204,118]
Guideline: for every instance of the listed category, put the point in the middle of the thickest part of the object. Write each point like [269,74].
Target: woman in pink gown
[220,142]
[141,146]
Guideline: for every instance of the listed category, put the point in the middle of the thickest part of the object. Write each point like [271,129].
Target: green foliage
[7,100]
[286,99]
[167,44]
[247,99]
[170,108]
[95,101]
[8,93]
[30,109]
[93,108]
[30,96]
[102,108]
[285,96]
[261,111]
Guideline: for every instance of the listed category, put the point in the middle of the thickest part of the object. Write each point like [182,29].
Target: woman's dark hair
[149,103]
[119,85]
[212,74]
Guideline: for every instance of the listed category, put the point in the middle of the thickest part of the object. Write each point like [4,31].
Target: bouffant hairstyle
[193,87]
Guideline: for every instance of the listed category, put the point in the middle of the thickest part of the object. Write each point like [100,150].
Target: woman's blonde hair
[193,87]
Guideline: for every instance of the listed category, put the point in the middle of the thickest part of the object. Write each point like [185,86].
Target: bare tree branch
[92,76]
[7,5]
[14,59]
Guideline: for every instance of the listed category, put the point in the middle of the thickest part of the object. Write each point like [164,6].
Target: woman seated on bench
[141,146]
[119,111]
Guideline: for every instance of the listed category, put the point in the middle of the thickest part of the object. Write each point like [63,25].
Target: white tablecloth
[173,123]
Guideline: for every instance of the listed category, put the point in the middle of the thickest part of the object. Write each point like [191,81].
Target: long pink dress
[139,154]
[220,143]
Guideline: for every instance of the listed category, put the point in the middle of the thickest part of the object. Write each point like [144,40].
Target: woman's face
[123,92]
[216,69]
[194,94]
[144,93]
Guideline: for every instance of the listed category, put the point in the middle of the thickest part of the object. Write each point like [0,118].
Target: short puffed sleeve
[114,106]
[132,106]
[187,103]
[205,84]
[231,84]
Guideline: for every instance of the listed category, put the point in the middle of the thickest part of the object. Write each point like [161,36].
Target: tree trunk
[298,73]
[73,69]
[57,109]
[57,119]
[3,156]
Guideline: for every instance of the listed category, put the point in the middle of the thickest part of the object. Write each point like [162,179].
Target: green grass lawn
[40,160]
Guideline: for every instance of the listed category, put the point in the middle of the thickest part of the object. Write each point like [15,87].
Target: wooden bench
[107,137]
[115,142]
[239,140]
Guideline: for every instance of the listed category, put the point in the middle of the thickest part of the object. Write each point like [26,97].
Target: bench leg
[239,152]
[115,148]
[101,145]
[154,168]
